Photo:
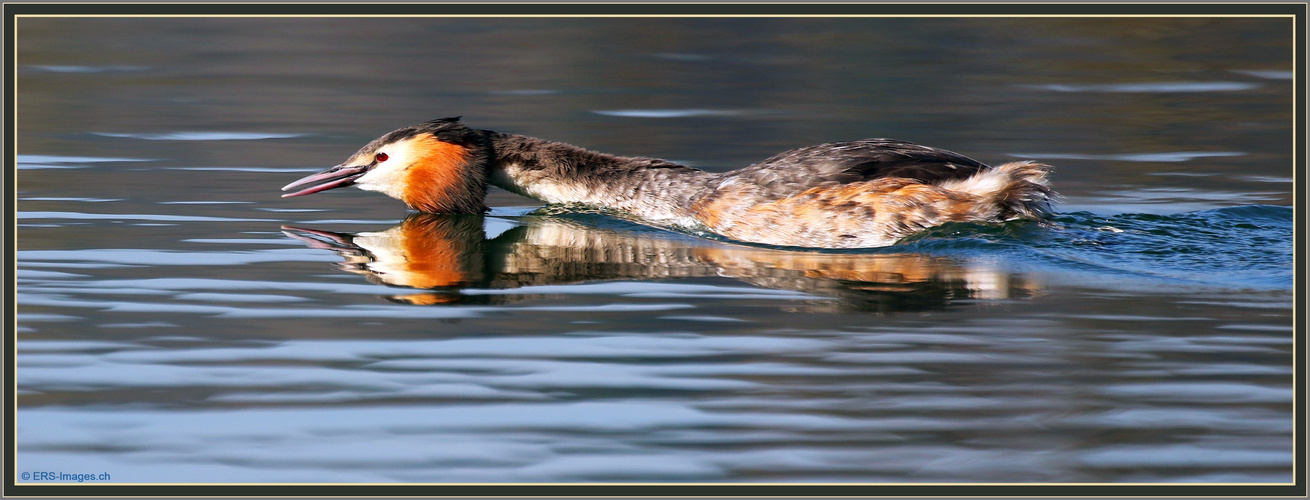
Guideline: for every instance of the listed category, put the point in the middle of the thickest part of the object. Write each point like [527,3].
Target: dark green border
[1183,490]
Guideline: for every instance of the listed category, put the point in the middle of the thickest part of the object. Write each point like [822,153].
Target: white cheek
[387,177]
[376,180]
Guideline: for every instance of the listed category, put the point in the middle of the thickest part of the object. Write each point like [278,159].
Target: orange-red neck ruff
[438,177]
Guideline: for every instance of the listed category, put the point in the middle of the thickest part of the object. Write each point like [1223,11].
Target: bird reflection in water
[441,255]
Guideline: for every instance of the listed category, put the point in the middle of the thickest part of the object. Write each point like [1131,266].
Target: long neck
[554,172]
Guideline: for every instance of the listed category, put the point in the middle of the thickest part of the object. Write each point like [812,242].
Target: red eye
[381,157]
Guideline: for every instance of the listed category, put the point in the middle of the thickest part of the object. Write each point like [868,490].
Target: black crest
[450,130]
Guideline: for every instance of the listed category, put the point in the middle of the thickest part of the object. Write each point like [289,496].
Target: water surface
[179,322]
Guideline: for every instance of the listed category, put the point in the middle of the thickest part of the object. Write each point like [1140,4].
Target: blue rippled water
[1244,246]
[631,358]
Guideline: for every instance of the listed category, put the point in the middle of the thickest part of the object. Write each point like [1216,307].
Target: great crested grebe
[855,194]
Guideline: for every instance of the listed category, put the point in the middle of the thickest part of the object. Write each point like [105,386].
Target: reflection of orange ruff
[427,299]
[433,260]
[425,252]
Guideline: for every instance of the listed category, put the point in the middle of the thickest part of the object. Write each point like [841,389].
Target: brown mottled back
[874,213]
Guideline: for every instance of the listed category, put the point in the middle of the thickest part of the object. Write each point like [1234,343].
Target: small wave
[157,286]
[291,210]
[1173,193]
[374,222]
[1262,178]
[666,113]
[71,159]
[146,217]
[683,57]
[524,92]
[245,241]
[148,324]
[250,169]
[60,198]
[37,166]
[28,317]
[143,257]
[1156,87]
[710,319]
[1267,74]
[33,275]
[43,162]
[1270,213]
[239,297]
[1170,157]
[1246,246]
[201,136]
[204,202]
[50,68]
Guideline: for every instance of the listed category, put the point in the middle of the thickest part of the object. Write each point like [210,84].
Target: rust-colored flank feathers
[853,194]
[828,216]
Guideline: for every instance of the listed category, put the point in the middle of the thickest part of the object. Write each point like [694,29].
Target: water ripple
[1268,74]
[148,217]
[45,162]
[666,113]
[1170,157]
[201,136]
[84,69]
[1153,87]
[147,257]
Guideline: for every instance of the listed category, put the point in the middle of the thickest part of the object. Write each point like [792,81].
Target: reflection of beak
[335,177]
[321,240]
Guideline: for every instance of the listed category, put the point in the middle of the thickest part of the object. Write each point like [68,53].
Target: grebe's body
[857,194]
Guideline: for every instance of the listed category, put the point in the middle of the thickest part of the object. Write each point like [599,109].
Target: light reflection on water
[848,405]
[569,348]
[178,322]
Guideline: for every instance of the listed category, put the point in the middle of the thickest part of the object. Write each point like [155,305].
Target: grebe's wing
[800,169]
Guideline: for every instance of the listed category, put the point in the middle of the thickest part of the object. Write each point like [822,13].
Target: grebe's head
[436,167]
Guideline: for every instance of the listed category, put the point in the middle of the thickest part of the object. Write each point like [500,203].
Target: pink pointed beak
[332,178]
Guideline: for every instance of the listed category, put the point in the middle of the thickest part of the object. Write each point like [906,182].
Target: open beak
[335,177]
